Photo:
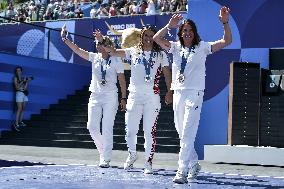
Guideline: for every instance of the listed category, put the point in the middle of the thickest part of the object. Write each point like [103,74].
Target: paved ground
[66,173]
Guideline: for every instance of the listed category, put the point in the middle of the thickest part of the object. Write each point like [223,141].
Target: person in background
[10,11]
[143,7]
[188,83]
[94,12]
[151,9]
[21,86]
[103,11]
[48,14]
[182,6]
[79,13]
[165,6]
[112,9]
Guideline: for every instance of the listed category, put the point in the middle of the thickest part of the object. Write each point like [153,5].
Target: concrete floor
[66,173]
[90,157]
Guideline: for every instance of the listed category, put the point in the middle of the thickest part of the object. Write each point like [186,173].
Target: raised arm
[159,37]
[81,52]
[98,35]
[227,38]
[111,50]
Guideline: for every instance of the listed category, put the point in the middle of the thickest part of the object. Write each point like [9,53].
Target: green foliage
[3,5]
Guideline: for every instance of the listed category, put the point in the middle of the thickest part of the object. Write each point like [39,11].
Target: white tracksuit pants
[187,106]
[102,107]
[149,106]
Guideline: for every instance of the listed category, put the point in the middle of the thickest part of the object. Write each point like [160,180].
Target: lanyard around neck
[185,57]
[104,67]
[148,64]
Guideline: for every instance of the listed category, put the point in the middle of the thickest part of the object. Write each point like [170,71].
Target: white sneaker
[148,168]
[193,171]
[22,124]
[180,177]
[132,157]
[16,127]
[104,164]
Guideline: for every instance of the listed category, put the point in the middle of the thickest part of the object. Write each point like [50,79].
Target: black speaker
[271,132]
[276,59]
[244,98]
[272,119]
[272,83]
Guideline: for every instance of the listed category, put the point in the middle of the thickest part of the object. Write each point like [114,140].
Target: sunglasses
[105,42]
[149,27]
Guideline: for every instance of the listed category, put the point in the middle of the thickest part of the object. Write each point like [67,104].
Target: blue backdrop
[52,80]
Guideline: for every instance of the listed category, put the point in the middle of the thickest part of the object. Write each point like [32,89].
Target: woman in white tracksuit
[147,62]
[103,101]
[188,83]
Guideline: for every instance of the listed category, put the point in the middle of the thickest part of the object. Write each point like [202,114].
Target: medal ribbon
[184,60]
[103,70]
[147,64]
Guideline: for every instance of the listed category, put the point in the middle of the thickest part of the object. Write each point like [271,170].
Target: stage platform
[30,167]
[244,154]
[91,176]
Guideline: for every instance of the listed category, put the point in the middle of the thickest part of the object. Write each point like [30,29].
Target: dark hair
[156,47]
[107,41]
[196,38]
[18,67]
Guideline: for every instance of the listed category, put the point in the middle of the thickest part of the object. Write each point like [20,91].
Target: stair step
[72,103]
[82,144]
[59,125]
[84,107]
[78,107]
[29,132]
[75,104]
[78,98]
[75,115]
[85,94]
[159,133]
[86,137]
[62,112]
[55,118]
[65,125]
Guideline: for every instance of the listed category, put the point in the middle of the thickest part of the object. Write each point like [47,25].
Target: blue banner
[121,23]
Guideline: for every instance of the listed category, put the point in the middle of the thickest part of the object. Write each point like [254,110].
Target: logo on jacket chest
[141,59]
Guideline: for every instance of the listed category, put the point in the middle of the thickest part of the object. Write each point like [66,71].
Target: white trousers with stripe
[149,106]
[187,106]
[102,108]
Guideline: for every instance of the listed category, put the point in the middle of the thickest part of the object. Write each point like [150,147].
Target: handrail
[53,29]
[116,16]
